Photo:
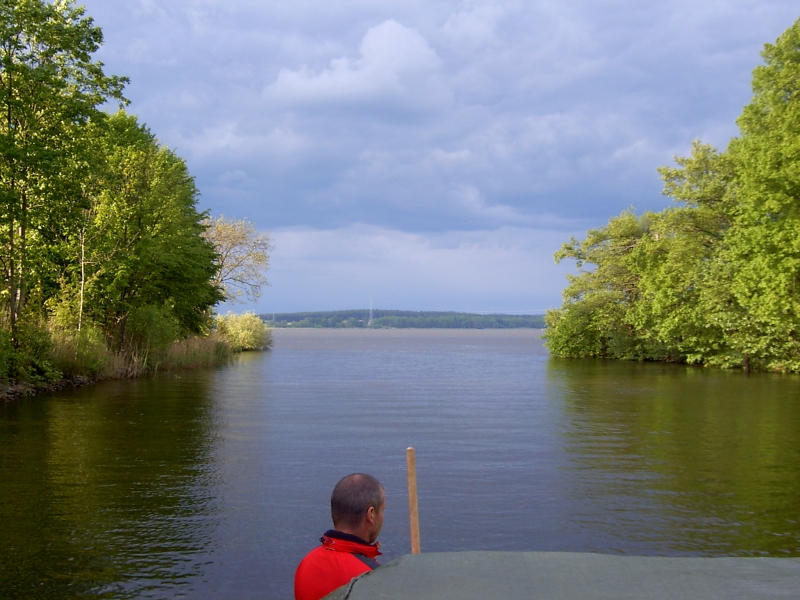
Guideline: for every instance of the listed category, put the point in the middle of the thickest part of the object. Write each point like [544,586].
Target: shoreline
[442,330]
[10,392]
[14,391]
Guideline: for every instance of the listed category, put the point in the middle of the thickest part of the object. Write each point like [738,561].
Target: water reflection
[215,484]
[106,492]
[675,460]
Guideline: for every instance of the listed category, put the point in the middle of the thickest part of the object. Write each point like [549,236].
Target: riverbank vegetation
[399,319]
[244,332]
[108,267]
[712,280]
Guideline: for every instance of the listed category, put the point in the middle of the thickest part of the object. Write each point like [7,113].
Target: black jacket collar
[349,537]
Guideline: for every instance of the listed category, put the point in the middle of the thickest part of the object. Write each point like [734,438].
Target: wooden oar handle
[413,510]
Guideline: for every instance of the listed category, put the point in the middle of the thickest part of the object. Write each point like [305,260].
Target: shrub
[7,355]
[149,331]
[64,309]
[83,352]
[31,360]
[244,332]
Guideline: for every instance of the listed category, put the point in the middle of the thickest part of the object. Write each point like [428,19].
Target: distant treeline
[403,319]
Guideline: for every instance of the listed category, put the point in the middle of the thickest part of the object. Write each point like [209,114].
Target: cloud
[395,66]
[418,119]
[469,199]
[279,143]
[475,27]
[509,269]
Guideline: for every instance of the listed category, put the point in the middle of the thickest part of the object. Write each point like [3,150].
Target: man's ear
[370,516]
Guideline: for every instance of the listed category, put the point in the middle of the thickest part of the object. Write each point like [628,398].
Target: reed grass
[52,356]
[86,354]
[80,353]
[198,352]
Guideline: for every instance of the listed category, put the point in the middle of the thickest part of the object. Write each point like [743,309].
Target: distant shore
[400,319]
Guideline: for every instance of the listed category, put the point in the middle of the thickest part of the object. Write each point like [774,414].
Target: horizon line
[535,312]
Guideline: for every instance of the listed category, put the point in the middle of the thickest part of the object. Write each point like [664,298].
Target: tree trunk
[83,275]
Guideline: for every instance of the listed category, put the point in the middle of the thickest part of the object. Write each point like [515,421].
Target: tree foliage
[103,253]
[242,257]
[714,279]
[49,89]
[244,332]
[147,246]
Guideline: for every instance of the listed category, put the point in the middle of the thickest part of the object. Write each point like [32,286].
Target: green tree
[653,288]
[713,280]
[763,247]
[142,246]
[595,318]
[681,273]
[49,90]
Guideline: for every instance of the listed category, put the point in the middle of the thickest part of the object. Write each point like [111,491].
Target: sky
[432,155]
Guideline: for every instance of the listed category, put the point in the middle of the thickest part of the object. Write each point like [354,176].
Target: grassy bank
[50,358]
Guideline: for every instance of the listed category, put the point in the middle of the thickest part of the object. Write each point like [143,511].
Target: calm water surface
[216,483]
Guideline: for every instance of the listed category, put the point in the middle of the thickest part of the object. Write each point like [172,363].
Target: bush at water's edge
[244,332]
[50,358]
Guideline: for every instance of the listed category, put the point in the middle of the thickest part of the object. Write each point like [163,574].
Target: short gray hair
[352,498]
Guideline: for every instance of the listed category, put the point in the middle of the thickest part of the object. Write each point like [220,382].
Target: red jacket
[333,564]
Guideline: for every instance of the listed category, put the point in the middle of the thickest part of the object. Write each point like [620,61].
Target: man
[349,549]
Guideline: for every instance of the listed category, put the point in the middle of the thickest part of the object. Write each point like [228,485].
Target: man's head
[357,504]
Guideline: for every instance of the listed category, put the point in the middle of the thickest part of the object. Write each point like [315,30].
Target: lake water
[214,484]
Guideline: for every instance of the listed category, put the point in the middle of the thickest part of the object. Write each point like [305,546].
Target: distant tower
[369,323]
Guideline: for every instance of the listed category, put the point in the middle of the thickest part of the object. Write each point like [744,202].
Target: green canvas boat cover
[573,576]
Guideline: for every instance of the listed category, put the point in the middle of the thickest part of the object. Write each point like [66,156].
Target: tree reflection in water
[106,491]
[669,459]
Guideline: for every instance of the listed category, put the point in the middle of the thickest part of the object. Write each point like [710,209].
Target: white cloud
[396,64]
[475,27]
[280,144]
[470,199]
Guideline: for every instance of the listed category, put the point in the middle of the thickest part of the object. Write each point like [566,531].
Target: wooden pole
[413,510]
